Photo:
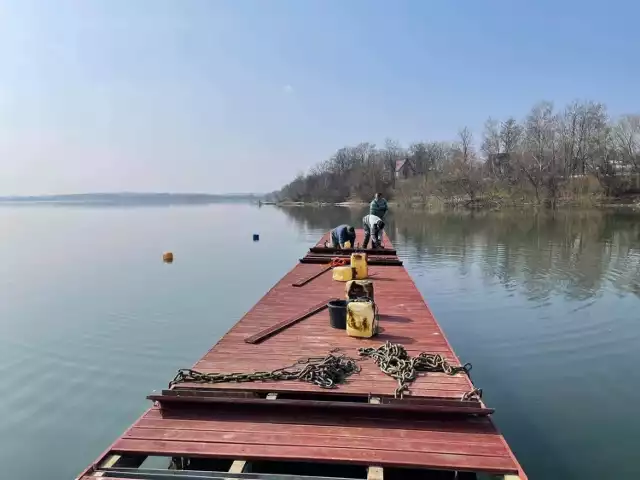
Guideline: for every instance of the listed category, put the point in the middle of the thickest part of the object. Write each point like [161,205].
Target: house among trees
[404,169]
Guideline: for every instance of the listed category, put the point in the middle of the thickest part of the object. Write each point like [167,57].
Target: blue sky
[230,96]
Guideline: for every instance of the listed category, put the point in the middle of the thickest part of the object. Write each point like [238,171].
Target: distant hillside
[136,198]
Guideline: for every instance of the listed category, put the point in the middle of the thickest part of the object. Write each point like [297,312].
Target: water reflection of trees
[573,253]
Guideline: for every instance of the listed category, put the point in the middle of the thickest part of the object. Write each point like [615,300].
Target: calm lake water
[545,307]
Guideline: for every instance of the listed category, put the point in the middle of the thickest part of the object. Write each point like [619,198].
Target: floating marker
[256,237]
[167,257]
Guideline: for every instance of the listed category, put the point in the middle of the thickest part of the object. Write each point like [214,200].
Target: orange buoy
[167,257]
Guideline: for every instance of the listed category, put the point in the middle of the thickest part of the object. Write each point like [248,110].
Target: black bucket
[338,313]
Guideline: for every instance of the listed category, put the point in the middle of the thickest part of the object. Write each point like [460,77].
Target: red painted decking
[403,315]
[234,431]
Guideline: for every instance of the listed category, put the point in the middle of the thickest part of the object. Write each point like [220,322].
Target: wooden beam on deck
[375,473]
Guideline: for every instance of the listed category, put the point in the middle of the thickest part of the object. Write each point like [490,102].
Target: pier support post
[375,473]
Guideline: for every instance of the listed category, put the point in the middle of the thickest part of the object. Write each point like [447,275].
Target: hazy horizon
[161,96]
[80,194]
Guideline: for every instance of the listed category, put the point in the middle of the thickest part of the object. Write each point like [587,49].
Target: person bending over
[373,226]
[343,234]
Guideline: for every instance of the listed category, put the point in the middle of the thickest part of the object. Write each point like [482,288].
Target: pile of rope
[325,372]
[393,360]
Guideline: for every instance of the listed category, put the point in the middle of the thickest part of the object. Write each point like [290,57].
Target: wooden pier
[288,429]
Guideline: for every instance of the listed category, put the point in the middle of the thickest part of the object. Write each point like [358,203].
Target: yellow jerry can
[359,264]
[359,289]
[342,274]
[361,319]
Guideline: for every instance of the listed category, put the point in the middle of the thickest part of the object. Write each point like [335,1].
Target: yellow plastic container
[359,289]
[359,264]
[347,244]
[342,274]
[361,319]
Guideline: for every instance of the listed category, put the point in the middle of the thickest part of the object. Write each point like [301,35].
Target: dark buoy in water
[256,237]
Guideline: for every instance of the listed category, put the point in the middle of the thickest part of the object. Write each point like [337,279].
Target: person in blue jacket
[343,234]
[378,206]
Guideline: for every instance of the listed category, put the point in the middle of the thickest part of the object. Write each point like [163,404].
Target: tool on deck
[278,327]
[335,262]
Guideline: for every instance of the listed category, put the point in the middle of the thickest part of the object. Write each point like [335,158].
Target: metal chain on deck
[325,372]
[393,359]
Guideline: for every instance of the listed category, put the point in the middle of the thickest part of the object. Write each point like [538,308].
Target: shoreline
[487,206]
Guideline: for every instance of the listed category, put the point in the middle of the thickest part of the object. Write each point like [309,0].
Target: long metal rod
[304,281]
[278,327]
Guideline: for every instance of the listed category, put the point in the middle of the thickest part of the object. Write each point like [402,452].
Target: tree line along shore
[575,155]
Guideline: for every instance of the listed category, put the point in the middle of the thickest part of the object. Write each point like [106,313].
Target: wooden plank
[442,429]
[488,464]
[240,466]
[360,388]
[319,441]
[110,461]
[127,461]
[370,432]
[375,473]
[356,425]
[278,327]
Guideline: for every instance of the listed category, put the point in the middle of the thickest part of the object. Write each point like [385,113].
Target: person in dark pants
[343,234]
[373,226]
[378,206]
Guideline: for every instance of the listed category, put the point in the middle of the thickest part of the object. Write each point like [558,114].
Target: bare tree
[463,172]
[465,138]
[539,161]
[490,138]
[626,135]
[543,154]
[392,153]
[510,135]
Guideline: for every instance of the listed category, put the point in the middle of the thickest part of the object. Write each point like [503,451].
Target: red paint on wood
[233,431]
[496,465]
[288,439]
